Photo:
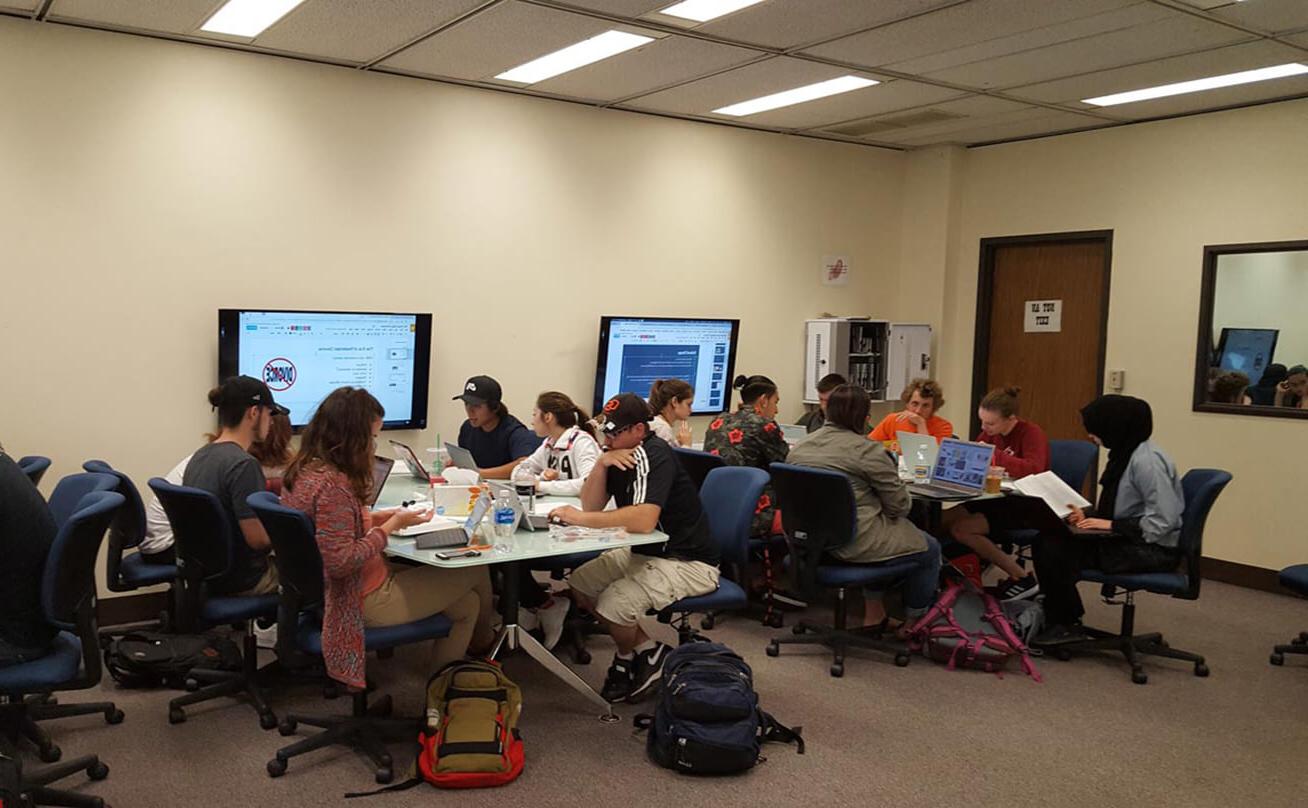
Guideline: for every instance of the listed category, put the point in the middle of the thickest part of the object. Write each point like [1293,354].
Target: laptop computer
[960,470]
[522,517]
[416,468]
[441,533]
[793,433]
[917,455]
[381,469]
[461,457]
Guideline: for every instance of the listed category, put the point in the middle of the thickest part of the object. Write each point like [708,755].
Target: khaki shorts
[625,585]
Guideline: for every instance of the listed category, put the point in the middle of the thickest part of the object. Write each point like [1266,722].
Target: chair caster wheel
[1200,670]
[1139,677]
[384,775]
[267,720]
[775,620]
[837,669]
[49,754]
[582,657]
[1277,659]
[387,761]
[191,685]
[901,660]
[97,771]
[287,727]
[774,649]
[176,715]
[708,622]
[115,717]
[798,628]
[276,767]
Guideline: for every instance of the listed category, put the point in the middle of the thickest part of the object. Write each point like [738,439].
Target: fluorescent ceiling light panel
[705,10]
[588,51]
[247,18]
[798,95]
[1198,85]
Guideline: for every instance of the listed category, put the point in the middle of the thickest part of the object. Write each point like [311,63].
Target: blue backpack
[707,720]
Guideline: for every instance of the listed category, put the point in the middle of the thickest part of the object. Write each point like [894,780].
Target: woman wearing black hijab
[1135,526]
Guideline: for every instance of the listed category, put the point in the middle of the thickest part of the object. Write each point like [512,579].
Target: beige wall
[1165,189]
[147,184]
[1265,290]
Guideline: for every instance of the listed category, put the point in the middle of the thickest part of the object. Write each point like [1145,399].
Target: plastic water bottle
[504,522]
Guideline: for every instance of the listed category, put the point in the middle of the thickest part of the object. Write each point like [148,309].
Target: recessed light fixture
[705,10]
[588,51]
[247,18]
[1199,85]
[798,95]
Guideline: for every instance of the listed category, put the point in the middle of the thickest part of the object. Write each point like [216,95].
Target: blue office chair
[68,600]
[35,467]
[66,498]
[1073,462]
[1294,579]
[698,464]
[203,539]
[127,572]
[299,640]
[818,514]
[1201,488]
[729,496]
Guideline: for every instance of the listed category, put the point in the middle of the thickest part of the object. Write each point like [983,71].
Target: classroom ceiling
[950,71]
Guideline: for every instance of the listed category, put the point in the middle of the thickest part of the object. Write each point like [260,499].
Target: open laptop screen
[963,463]
[381,469]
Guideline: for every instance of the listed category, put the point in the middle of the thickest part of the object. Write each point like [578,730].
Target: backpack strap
[995,615]
[770,729]
[405,786]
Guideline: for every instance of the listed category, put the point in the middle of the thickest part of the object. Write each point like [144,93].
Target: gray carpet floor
[917,736]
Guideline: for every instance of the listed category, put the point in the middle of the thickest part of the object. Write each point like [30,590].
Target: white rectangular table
[526,546]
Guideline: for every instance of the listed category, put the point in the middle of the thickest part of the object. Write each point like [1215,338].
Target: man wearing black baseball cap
[496,439]
[643,477]
[225,468]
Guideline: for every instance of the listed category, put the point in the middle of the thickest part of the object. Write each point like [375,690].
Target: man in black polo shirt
[639,471]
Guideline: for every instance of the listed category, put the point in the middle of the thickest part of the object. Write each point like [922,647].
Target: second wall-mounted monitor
[634,351]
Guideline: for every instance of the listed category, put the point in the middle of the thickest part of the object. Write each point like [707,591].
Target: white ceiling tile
[623,8]
[1179,34]
[1301,40]
[887,97]
[1207,4]
[176,16]
[26,6]
[496,40]
[356,30]
[667,61]
[1267,15]
[1024,124]
[959,26]
[792,23]
[751,81]
[942,116]
[1231,59]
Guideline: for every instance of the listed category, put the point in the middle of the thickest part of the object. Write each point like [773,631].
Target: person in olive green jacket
[881,499]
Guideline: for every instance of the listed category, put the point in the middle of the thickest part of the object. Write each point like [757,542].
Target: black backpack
[707,720]
[150,659]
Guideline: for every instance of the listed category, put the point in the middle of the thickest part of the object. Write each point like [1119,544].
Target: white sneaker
[265,637]
[552,615]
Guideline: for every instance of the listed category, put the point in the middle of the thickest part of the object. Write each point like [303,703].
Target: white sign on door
[835,270]
[1043,316]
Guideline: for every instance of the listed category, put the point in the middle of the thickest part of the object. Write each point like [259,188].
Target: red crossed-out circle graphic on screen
[279,374]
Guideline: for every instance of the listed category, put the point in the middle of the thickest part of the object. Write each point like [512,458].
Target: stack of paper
[1057,494]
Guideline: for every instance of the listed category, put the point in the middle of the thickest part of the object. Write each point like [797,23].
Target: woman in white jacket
[563,461]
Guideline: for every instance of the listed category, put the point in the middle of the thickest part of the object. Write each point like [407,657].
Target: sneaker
[265,636]
[617,684]
[648,671]
[1059,635]
[552,616]
[1019,588]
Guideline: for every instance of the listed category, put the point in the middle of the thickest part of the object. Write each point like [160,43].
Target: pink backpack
[966,628]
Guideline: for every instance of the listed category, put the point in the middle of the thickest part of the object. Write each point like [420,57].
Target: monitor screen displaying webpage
[304,355]
[635,351]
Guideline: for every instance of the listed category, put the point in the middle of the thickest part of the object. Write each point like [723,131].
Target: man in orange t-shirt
[921,399]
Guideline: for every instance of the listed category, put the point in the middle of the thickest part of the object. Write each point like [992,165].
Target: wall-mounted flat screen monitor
[304,355]
[1248,350]
[634,351]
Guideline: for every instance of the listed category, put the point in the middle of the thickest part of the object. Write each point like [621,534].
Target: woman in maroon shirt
[330,479]
[1021,448]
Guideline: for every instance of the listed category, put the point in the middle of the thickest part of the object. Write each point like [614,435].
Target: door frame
[985,296]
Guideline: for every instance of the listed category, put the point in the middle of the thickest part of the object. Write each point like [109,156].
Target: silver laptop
[461,457]
[416,468]
[523,518]
[793,433]
[453,536]
[917,455]
[960,471]
[381,470]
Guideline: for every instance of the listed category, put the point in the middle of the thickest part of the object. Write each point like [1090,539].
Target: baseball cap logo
[471,387]
[612,405]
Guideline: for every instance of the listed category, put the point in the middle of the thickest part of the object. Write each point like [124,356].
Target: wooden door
[1059,372]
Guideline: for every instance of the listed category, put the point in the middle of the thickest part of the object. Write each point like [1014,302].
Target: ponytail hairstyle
[752,388]
[566,413]
[1002,400]
[666,391]
[231,411]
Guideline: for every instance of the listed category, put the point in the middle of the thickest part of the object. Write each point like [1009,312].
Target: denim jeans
[922,582]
